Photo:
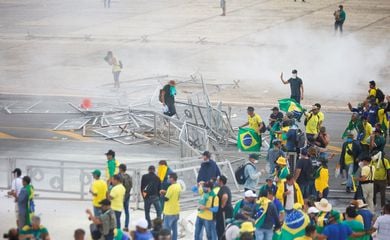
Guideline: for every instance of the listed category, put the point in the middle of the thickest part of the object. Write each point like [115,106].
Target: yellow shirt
[304,238]
[321,116]
[380,170]
[372,92]
[98,187]
[207,214]
[359,218]
[312,126]
[322,181]
[366,172]
[367,132]
[117,194]
[115,65]
[348,159]
[254,122]
[172,206]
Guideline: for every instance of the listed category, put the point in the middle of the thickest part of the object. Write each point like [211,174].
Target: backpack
[160,95]
[239,174]
[380,95]
[300,139]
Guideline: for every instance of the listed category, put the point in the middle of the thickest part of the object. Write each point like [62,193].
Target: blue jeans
[97,211]
[127,213]
[148,202]
[325,193]
[264,234]
[118,218]
[349,170]
[170,223]
[209,226]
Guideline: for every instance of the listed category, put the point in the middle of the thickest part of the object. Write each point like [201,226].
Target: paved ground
[52,48]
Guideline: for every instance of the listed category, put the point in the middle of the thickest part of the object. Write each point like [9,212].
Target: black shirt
[167,96]
[151,185]
[306,171]
[277,116]
[228,208]
[295,85]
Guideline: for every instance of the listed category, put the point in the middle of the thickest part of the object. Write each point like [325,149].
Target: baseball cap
[254,156]
[97,172]
[142,223]
[250,193]
[110,152]
[105,202]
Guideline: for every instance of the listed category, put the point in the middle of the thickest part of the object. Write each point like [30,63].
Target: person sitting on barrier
[208,168]
[34,231]
[112,166]
[98,191]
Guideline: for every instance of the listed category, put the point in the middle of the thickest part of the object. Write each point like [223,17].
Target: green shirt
[27,230]
[356,226]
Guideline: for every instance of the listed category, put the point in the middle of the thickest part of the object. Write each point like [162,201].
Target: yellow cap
[247,227]
[281,161]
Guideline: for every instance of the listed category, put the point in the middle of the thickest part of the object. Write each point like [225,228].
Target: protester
[322,141]
[303,173]
[321,181]
[312,123]
[167,98]
[310,233]
[296,86]
[254,122]
[25,202]
[377,141]
[367,182]
[150,189]
[117,195]
[112,166]
[157,226]
[339,16]
[79,234]
[172,205]
[98,191]
[208,205]
[225,210]
[381,176]
[349,158]
[113,61]
[208,168]
[376,93]
[281,170]
[248,201]
[273,154]
[266,217]
[105,223]
[33,231]
[278,205]
[251,174]
[364,212]
[248,229]
[365,135]
[275,116]
[141,231]
[382,224]
[355,225]
[127,182]
[269,186]
[313,212]
[289,193]
[16,187]
[163,172]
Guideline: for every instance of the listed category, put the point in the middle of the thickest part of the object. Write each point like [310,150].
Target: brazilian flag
[290,105]
[248,140]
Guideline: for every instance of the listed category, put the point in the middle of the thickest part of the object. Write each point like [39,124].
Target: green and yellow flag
[290,105]
[248,140]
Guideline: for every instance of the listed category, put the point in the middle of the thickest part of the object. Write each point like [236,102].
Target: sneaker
[348,190]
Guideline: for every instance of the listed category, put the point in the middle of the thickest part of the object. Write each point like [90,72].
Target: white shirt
[17,185]
[382,226]
[289,198]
